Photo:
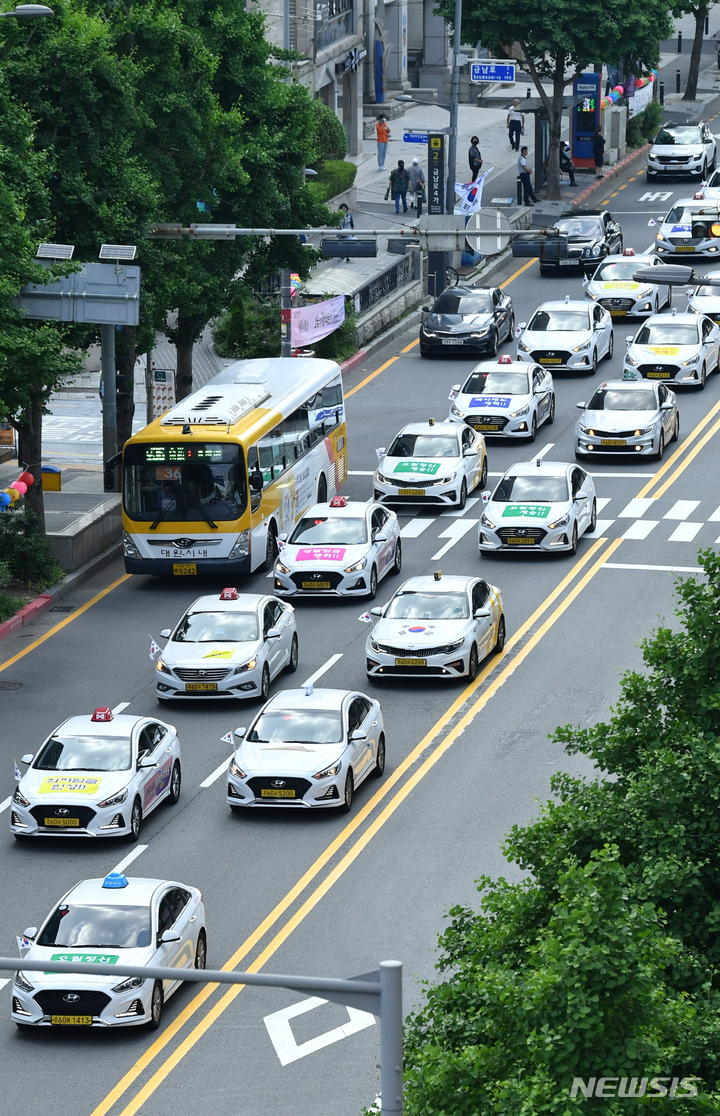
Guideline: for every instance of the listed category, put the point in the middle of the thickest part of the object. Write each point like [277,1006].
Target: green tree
[559,38]
[699,12]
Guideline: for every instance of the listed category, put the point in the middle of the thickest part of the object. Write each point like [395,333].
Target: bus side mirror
[256,481]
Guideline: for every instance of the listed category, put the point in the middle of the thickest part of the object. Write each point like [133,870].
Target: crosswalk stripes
[641,528]
[681,509]
[685,532]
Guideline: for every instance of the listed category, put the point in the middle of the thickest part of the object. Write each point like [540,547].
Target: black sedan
[467,320]
[578,240]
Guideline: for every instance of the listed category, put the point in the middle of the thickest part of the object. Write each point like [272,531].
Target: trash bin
[51,478]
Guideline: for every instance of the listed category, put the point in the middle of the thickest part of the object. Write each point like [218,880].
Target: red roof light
[230,594]
[504,360]
[339,502]
[102,715]
[629,252]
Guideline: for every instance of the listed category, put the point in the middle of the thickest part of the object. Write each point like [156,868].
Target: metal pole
[391,1037]
[677,81]
[662,92]
[679,49]
[109,400]
[285,305]
[454,97]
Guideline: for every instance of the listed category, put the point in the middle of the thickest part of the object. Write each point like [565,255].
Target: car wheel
[593,366]
[380,757]
[611,347]
[500,641]
[156,1006]
[511,328]
[265,683]
[463,494]
[551,413]
[473,663]
[703,378]
[484,472]
[322,490]
[545,270]
[397,564]
[294,651]
[494,345]
[372,591]
[348,794]
[271,548]
[201,951]
[574,540]
[175,783]
[593,517]
[533,430]
[135,821]
[661,447]
[676,430]
[649,177]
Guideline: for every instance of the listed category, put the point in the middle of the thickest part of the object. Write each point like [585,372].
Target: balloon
[4,500]
[12,494]
[19,486]
[27,478]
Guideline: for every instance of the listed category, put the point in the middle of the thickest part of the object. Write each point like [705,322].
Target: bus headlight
[241,548]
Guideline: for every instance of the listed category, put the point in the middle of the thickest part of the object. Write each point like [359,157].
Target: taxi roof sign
[505,359]
[229,594]
[102,714]
[339,502]
[115,879]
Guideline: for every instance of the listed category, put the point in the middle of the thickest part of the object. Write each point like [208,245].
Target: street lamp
[28,11]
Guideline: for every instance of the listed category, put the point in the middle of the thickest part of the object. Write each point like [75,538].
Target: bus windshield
[194,481]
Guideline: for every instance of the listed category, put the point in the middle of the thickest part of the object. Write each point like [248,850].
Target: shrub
[25,551]
[330,138]
[8,605]
[334,177]
[643,127]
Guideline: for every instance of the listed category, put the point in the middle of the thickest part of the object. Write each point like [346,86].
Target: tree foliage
[604,960]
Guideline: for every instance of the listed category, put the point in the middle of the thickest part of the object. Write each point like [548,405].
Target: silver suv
[682,150]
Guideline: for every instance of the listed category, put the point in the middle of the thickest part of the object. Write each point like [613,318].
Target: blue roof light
[115,879]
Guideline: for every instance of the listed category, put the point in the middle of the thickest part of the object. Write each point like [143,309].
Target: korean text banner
[310,323]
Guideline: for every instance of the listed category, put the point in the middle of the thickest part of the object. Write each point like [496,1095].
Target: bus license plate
[201,685]
[184,568]
[411,492]
[411,662]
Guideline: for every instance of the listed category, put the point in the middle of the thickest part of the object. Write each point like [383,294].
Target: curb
[612,173]
[26,614]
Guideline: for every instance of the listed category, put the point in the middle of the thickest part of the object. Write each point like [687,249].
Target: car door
[383,545]
[273,648]
[484,625]
[667,418]
[499,313]
[146,777]
[369,725]
[581,486]
[359,749]
[710,343]
[184,909]
[601,323]
[166,953]
[161,752]
[541,395]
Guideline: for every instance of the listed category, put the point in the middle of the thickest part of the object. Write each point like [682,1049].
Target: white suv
[682,150]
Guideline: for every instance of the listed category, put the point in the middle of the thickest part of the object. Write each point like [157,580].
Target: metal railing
[396,276]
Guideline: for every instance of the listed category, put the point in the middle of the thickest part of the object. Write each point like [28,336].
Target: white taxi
[627,418]
[115,921]
[307,749]
[437,626]
[510,402]
[681,348]
[229,645]
[97,776]
[613,286]
[570,335]
[538,506]
[691,228]
[340,549]
[705,299]
[431,463]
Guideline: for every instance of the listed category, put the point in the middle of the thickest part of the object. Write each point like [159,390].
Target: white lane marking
[601,527]
[681,509]
[546,449]
[129,858]
[216,773]
[414,528]
[456,512]
[119,708]
[715,517]
[454,533]
[4,982]
[636,508]
[322,670]
[360,473]
[685,532]
[602,502]
[282,1038]
[4,805]
[641,529]
[663,569]
[658,195]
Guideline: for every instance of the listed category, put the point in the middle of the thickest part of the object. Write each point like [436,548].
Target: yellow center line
[606,202]
[624,186]
[352,854]
[411,345]
[178,1023]
[679,451]
[518,272]
[690,457]
[633,178]
[370,377]
[63,623]
[614,195]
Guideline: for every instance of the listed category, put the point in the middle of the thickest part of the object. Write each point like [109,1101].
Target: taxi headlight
[487,522]
[559,522]
[592,297]
[523,348]
[456,411]
[523,411]
[129,984]
[450,647]
[715,230]
[659,236]
[160,665]
[375,647]
[357,566]
[384,480]
[647,430]
[246,666]
[328,772]
[692,360]
[115,800]
[449,479]
[22,982]
[631,360]
[280,567]
[585,430]
[20,798]
[236,771]
[581,348]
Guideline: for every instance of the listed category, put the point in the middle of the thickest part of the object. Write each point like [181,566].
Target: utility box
[51,478]
[615,129]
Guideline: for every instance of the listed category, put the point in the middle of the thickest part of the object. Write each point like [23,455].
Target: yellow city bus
[209,486]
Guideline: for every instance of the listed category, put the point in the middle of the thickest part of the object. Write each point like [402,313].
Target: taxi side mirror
[282,537]
[27,758]
[469,451]
[481,613]
[380,451]
[146,761]
[629,341]
[169,936]
[376,611]
[165,633]
[358,734]
[666,406]
[379,536]
[581,495]
[273,633]
[581,406]
[30,932]
[454,391]
[240,732]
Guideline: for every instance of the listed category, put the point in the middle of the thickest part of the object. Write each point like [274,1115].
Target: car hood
[498,404]
[550,339]
[407,468]
[81,787]
[90,954]
[276,758]
[419,634]
[309,555]
[458,323]
[204,655]
[711,192]
[617,420]
[676,148]
[530,515]
[707,306]
[681,352]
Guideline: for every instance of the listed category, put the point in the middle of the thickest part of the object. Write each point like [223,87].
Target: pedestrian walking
[566,163]
[598,150]
[382,130]
[346,223]
[417,185]
[515,125]
[474,158]
[398,186]
[525,170]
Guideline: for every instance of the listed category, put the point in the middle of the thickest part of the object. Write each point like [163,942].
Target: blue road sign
[415,137]
[492,71]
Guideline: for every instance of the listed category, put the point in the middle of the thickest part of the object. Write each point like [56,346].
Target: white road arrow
[282,1038]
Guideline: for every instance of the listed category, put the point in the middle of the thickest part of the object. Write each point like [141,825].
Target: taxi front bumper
[190,681]
[95,821]
[496,426]
[325,583]
[417,663]
[665,371]
[707,247]
[527,537]
[415,492]
[593,445]
[568,361]
[624,305]
[299,791]
[101,1005]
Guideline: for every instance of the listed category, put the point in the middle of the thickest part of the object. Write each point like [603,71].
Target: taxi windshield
[496,383]
[635,399]
[424,445]
[297,726]
[216,627]
[330,530]
[98,927]
[85,753]
[416,605]
[531,490]
[667,334]
[457,302]
[622,269]
[559,321]
[707,292]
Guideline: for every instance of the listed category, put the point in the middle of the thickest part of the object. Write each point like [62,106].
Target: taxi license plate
[685,248]
[549,360]
[486,426]
[452,340]
[62,822]
[316,585]
[659,375]
[617,313]
[71,1020]
[184,568]
[411,492]
[201,685]
[613,442]
[411,662]
[521,542]
[277,793]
